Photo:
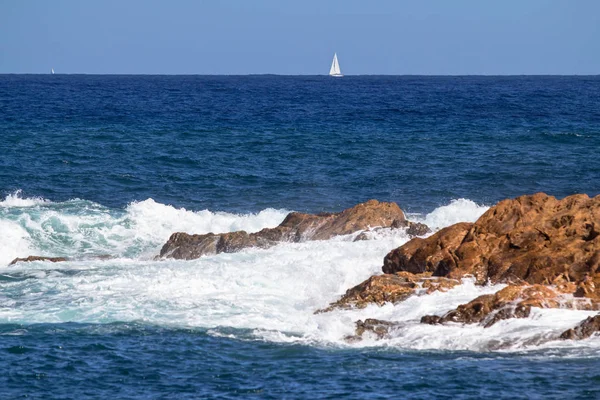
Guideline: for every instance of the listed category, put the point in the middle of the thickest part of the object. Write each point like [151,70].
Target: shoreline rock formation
[546,250]
[296,227]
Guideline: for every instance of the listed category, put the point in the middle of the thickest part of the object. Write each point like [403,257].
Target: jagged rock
[296,227]
[38,258]
[535,239]
[389,288]
[584,330]
[425,255]
[514,301]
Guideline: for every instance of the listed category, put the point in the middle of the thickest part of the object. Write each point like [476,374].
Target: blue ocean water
[111,165]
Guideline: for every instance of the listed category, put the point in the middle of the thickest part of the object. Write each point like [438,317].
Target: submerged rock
[514,301]
[584,330]
[413,229]
[296,227]
[38,258]
[377,327]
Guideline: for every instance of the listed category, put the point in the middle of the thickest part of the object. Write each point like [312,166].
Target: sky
[427,37]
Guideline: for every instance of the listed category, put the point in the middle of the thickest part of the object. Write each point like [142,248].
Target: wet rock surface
[390,288]
[379,328]
[296,227]
[514,301]
[535,239]
[546,250]
[584,330]
[38,258]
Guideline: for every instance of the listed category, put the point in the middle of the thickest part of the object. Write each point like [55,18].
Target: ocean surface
[102,169]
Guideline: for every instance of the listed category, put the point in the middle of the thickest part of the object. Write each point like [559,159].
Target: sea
[102,169]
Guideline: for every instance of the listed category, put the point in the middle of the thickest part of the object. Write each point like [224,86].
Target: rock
[535,239]
[377,327]
[389,288]
[584,330]
[413,229]
[38,258]
[514,301]
[61,259]
[361,236]
[417,229]
[425,255]
[431,319]
[296,227]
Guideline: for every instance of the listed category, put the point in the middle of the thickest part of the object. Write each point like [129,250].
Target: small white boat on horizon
[52,71]
[335,67]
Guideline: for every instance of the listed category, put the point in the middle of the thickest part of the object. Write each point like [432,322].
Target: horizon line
[283,75]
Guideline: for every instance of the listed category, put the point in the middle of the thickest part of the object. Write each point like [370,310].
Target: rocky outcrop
[584,330]
[296,227]
[546,250]
[535,239]
[390,288]
[38,258]
[514,301]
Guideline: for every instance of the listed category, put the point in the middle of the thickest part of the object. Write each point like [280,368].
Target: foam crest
[15,200]
[459,210]
[79,228]
[154,218]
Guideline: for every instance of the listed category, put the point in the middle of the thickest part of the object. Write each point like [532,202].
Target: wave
[15,200]
[79,228]
[459,210]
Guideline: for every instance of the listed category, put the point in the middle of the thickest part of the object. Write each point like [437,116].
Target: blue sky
[299,37]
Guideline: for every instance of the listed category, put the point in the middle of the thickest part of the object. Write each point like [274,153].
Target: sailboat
[335,67]
[52,71]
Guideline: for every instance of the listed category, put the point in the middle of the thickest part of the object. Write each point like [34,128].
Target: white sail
[52,72]
[335,67]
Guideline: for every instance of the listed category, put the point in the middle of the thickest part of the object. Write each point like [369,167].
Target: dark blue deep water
[304,143]
[92,145]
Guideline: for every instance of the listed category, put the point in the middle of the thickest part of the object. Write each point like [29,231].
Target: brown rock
[389,288]
[584,330]
[425,255]
[511,302]
[535,239]
[38,258]
[296,227]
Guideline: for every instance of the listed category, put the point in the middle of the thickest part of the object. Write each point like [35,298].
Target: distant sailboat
[52,71]
[335,67]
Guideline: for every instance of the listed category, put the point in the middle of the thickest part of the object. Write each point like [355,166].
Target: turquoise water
[97,166]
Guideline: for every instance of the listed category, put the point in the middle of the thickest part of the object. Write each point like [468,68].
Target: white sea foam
[15,200]
[271,293]
[79,228]
[14,241]
[460,210]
